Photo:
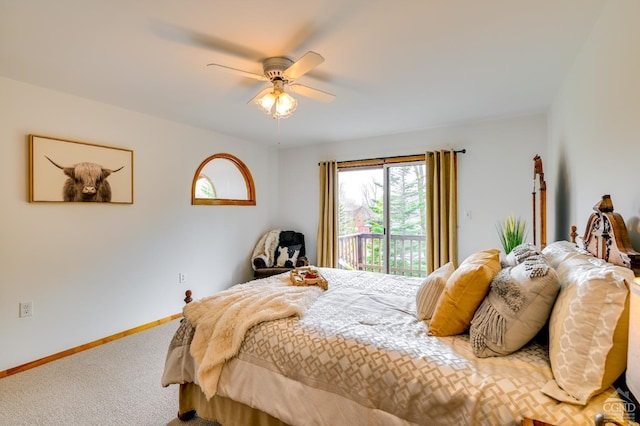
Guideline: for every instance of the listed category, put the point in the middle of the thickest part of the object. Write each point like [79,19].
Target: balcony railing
[407,253]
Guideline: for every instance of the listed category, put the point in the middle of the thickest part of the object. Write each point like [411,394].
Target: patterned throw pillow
[430,291]
[520,253]
[465,290]
[287,256]
[516,308]
[588,328]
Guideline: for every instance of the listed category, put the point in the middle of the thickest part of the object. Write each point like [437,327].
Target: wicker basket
[298,276]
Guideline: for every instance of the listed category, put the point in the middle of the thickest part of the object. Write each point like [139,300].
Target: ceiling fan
[281,72]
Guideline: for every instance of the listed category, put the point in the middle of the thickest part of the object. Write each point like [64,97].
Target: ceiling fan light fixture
[285,105]
[281,71]
[278,102]
[266,102]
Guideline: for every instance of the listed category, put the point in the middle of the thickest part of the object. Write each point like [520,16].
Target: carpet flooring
[115,384]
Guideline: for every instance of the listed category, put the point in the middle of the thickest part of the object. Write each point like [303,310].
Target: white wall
[495,175]
[93,270]
[594,123]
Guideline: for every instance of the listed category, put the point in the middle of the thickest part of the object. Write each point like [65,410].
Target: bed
[271,353]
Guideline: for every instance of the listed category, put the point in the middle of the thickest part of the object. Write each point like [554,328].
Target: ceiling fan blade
[309,61]
[190,37]
[241,72]
[261,94]
[312,93]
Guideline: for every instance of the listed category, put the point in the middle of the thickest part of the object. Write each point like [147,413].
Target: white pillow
[590,314]
[558,251]
[430,290]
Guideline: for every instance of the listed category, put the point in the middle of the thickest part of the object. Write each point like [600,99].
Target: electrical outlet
[182,278]
[26,309]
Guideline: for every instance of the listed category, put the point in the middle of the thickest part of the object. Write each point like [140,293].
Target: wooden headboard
[606,237]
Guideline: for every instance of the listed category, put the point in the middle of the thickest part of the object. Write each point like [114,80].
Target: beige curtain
[442,208]
[327,246]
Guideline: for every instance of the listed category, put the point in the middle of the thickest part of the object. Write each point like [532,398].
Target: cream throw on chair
[266,248]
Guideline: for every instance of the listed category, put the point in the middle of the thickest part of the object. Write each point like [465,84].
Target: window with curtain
[396,214]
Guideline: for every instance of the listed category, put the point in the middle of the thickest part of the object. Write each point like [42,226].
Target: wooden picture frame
[62,170]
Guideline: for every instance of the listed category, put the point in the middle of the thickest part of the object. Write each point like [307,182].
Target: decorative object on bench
[308,276]
[277,252]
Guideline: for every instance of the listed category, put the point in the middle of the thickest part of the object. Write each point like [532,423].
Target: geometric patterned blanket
[361,340]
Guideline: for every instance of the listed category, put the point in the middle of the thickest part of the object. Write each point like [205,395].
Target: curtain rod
[459,151]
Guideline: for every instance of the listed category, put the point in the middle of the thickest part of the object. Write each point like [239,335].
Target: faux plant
[511,232]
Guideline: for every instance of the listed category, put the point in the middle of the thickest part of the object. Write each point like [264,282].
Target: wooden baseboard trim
[41,361]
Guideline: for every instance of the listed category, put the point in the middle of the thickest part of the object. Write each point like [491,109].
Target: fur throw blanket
[222,320]
[266,248]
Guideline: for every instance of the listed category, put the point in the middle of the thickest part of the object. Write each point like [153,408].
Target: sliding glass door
[361,219]
[382,219]
[406,222]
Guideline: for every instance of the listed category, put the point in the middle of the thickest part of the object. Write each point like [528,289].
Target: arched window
[223,179]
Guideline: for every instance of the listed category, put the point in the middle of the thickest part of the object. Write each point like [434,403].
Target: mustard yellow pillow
[465,290]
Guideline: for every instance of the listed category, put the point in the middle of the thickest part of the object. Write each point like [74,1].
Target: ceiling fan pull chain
[278,130]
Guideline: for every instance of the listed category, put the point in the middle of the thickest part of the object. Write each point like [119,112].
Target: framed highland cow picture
[61,170]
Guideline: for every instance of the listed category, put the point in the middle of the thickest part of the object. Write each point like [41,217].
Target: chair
[277,252]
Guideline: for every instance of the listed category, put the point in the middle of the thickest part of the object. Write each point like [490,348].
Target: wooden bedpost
[188,415]
[574,233]
[534,210]
[542,186]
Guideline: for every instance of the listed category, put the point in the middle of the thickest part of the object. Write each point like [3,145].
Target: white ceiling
[394,65]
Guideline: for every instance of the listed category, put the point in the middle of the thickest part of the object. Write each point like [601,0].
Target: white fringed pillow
[516,308]
[588,328]
[520,253]
[431,289]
